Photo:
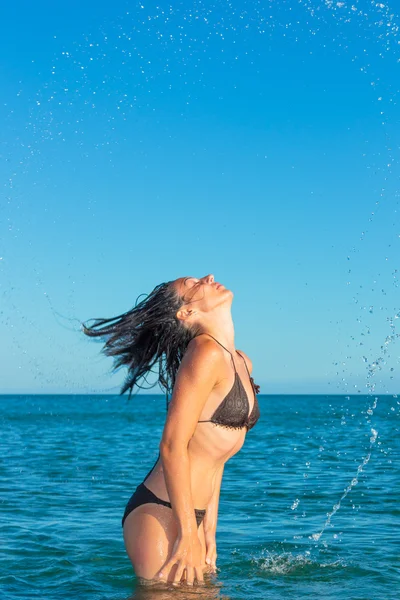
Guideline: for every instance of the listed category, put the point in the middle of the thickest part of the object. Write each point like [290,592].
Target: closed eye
[192,287]
[193,280]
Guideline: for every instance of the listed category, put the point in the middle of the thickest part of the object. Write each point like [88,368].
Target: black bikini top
[233,411]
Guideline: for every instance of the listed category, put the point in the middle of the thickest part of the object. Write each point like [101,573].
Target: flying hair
[149,338]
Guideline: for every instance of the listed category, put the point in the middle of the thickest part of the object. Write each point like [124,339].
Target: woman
[185,327]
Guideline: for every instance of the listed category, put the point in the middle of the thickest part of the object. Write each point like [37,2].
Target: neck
[220,325]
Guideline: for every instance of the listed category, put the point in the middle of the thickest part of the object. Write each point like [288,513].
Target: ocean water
[69,464]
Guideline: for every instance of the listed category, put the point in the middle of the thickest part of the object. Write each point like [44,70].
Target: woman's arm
[211,517]
[196,377]
[210,521]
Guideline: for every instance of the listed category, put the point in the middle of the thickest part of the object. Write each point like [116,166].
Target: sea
[309,507]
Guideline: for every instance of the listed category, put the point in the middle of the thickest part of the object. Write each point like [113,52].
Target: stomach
[209,449]
[208,452]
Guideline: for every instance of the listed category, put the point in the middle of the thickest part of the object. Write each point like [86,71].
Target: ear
[184,313]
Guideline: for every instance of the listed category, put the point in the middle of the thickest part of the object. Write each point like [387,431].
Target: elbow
[172,448]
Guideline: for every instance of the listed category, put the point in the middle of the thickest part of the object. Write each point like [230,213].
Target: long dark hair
[147,336]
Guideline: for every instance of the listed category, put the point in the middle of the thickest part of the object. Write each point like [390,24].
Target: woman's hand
[211,550]
[186,553]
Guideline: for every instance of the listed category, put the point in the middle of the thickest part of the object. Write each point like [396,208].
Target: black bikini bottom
[142,495]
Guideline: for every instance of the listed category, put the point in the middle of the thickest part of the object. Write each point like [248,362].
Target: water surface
[69,464]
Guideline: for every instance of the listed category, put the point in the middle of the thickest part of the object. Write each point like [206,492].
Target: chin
[229,293]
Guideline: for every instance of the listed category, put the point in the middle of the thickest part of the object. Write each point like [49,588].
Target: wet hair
[147,337]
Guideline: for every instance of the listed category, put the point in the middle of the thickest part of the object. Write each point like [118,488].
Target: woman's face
[203,294]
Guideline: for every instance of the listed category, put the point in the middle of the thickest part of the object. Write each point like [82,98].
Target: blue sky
[256,141]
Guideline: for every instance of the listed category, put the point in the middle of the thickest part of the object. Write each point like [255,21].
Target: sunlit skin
[161,544]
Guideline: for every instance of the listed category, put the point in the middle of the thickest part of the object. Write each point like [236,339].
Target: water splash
[372,368]
[284,563]
[354,481]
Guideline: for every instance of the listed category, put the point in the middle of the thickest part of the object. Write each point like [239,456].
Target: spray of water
[372,369]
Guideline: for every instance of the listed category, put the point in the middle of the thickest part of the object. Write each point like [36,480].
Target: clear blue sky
[254,140]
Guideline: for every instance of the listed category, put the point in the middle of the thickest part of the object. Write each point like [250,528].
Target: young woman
[184,327]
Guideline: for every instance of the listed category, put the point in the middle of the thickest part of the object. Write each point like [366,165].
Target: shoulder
[202,344]
[202,351]
[247,359]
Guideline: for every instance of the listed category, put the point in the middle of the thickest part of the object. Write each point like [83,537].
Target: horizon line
[163,395]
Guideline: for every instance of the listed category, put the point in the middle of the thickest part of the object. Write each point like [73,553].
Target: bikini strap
[245,363]
[220,345]
[250,377]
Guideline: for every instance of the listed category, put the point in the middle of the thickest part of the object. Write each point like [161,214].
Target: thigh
[150,532]
[149,535]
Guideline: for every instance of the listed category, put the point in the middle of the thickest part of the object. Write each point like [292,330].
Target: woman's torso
[214,443]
